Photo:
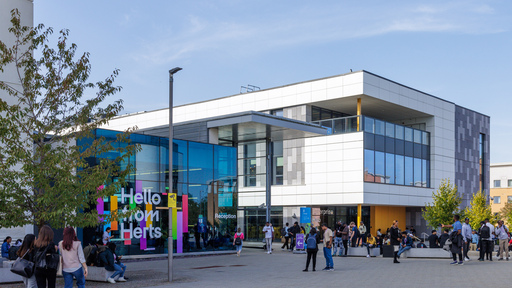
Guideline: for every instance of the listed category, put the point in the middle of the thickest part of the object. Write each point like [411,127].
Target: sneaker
[325,269]
[481,259]
[466,259]
[331,269]
[110,280]
[454,263]
[305,270]
[121,279]
[461,263]
[500,259]
[368,256]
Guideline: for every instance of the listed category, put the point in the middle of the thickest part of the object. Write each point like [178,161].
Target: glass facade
[204,180]
[395,154]
[252,165]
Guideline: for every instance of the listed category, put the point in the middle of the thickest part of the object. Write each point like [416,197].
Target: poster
[305,215]
[299,242]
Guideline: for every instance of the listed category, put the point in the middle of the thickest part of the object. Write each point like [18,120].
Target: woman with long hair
[238,243]
[73,260]
[26,252]
[6,246]
[45,277]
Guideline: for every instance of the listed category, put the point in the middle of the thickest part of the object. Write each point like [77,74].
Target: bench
[98,274]
[426,253]
[362,252]
[6,276]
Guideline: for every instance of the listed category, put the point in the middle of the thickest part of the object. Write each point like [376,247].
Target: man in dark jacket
[433,240]
[445,236]
[108,259]
[394,234]
[293,231]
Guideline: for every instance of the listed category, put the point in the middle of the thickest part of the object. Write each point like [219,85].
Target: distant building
[501,185]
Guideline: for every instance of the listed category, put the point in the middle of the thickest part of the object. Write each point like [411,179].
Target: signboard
[299,242]
[305,215]
[171,200]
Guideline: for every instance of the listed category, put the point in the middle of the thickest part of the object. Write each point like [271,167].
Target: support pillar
[359,116]
[359,212]
[268,177]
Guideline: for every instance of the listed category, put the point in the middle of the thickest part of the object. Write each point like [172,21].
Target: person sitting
[91,256]
[421,244]
[444,237]
[371,242]
[107,258]
[433,240]
[405,243]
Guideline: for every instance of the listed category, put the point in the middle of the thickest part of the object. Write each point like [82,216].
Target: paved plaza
[284,269]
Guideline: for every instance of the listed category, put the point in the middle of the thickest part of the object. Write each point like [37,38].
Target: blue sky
[457,50]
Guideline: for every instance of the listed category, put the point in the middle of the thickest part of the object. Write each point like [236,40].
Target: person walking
[457,240]
[106,236]
[344,238]
[26,252]
[45,277]
[269,233]
[73,260]
[502,234]
[394,236]
[467,237]
[286,235]
[312,240]
[486,240]
[338,242]
[293,231]
[238,241]
[329,265]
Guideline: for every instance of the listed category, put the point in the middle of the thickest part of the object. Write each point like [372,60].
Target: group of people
[66,257]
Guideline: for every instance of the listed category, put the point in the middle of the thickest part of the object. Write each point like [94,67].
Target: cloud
[310,25]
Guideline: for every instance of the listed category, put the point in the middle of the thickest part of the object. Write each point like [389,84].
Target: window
[509,183]
[497,183]
[278,112]
[509,199]
[277,163]
[497,200]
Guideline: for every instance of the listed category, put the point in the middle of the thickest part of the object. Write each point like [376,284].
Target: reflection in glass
[369,166]
[368,125]
[417,136]
[390,130]
[409,180]
[408,134]
[379,127]
[399,169]
[390,168]
[200,162]
[399,132]
[423,173]
[417,172]
[379,167]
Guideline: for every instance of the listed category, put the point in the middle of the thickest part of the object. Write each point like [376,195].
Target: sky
[460,51]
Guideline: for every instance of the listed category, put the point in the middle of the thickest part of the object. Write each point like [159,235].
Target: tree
[506,213]
[45,177]
[479,210]
[445,203]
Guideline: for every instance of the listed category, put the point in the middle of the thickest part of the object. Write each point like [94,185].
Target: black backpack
[12,252]
[485,232]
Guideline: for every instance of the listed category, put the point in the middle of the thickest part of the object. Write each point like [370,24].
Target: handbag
[44,261]
[23,267]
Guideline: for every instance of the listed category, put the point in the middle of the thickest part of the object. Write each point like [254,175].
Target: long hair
[45,237]
[68,238]
[28,244]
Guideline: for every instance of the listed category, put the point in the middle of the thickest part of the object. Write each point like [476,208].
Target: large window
[497,183]
[509,183]
[323,114]
[252,165]
[277,163]
[497,200]
[395,154]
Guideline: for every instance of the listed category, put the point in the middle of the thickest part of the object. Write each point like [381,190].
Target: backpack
[87,251]
[238,240]
[311,242]
[283,231]
[12,252]
[485,232]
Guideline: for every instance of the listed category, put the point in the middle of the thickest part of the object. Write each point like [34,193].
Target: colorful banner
[299,242]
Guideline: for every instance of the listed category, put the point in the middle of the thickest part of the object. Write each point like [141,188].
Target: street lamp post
[169,236]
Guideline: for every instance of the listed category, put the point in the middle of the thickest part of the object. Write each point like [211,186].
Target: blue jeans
[120,269]
[328,258]
[238,248]
[338,243]
[78,274]
[403,249]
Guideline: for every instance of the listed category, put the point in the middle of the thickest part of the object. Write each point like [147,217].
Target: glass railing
[340,125]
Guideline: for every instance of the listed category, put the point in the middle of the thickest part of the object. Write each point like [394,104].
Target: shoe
[481,259]
[305,270]
[454,263]
[367,256]
[331,269]
[500,259]
[110,280]
[467,259]
[314,269]
[325,269]
[396,261]
[121,279]
[461,263]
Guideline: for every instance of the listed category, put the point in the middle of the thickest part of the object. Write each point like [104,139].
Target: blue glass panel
[417,150]
[423,173]
[390,168]
[409,149]
[369,166]
[380,175]
[390,145]
[427,165]
[225,171]
[408,134]
[417,172]
[369,125]
[380,144]
[390,130]
[417,136]
[399,147]
[380,127]
[425,153]
[399,169]
[399,132]
[147,162]
[200,163]
[179,160]
[409,167]
[425,138]
[369,141]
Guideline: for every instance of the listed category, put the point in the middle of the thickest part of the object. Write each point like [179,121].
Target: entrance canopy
[252,125]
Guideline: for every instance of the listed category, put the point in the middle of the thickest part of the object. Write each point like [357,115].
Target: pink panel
[184,208]
[127,240]
[179,241]
[138,186]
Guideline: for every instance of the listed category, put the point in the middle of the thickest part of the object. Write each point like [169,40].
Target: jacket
[394,236]
[107,258]
[407,241]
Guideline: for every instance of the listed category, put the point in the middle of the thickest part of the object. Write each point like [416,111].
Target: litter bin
[388,251]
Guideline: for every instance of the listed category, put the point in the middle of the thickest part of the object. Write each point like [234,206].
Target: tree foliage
[445,203]
[479,210]
[45,177]
[506,213]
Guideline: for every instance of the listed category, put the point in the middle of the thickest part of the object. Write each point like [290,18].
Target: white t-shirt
[269,231]
[106,237]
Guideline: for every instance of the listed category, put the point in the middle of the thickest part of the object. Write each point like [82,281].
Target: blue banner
[305,215]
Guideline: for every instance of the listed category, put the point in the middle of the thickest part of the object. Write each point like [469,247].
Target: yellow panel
[383,216]
[149,221]
[113,203]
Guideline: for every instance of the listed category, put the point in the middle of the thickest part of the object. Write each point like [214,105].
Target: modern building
[349,147]
[501,185]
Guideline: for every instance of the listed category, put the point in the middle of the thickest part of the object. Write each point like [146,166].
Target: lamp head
[174,70]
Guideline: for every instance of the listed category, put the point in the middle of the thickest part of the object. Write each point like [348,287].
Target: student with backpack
[312,244]
[238,241]
[486,240]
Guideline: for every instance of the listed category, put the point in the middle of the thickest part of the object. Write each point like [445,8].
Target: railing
[341,125]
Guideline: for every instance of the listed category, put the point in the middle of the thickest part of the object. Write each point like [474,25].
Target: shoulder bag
[47,261]
[23,267]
